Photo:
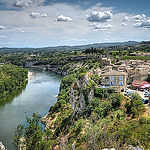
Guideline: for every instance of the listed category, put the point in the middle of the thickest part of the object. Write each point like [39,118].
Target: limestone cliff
[81,92]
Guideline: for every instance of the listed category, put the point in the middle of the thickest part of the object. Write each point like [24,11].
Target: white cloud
[123,24]
[135,18]
[22,3]
[5,27]
[63,18]
[3,37]
[74,40]
[38,15]
[99,16]
[2,27]
[143,24]
[138,20]
[101,27]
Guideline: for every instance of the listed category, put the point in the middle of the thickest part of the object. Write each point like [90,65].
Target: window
[113,83]
[111,78]
[121,77]
[121,83]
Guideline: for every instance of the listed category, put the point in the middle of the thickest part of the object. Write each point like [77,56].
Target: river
[38,95]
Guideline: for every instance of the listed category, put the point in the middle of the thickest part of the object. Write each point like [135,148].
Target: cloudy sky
[41,23]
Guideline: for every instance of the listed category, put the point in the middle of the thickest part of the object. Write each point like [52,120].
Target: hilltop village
[119,75]
[127,71]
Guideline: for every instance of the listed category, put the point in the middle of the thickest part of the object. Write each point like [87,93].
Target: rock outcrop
[82,91]
[2,147]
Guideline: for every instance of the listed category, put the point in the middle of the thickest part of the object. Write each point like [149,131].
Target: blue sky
[41,23]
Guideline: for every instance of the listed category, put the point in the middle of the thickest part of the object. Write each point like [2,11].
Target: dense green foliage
[136,57]
[31,135]
[135,106]
[15,59]
[11,78]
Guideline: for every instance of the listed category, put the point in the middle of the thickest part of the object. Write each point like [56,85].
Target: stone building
[114,79]
[105,62]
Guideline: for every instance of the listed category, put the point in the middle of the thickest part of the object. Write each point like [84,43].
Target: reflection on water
[37,96]
[8,99]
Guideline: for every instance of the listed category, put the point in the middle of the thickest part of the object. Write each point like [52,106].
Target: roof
[138,82]
[115,73]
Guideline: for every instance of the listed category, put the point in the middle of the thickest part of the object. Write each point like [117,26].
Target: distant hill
[58,48]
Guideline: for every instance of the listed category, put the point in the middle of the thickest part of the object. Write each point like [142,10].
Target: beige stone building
[114,79]
[105,62]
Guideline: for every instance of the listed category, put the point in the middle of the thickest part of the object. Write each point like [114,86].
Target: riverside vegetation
[86,117]
[11,78]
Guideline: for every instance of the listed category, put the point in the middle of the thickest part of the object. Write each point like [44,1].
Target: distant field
[136,57]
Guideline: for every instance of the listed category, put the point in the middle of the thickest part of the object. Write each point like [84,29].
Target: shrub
[103,109]
[115,99]
[67,81]
[94,102]
[143,120]
[100,92]
[135,107]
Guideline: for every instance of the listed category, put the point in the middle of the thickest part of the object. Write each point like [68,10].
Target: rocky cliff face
[82,91]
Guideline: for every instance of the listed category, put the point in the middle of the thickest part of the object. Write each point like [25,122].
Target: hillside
[92,118]
[65,48]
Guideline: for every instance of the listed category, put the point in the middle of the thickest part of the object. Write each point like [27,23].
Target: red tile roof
[138,83]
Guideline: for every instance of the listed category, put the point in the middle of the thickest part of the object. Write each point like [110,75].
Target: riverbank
[30,75]
[2,147]
[45,68]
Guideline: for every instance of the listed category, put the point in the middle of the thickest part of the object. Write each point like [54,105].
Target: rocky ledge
[2,147]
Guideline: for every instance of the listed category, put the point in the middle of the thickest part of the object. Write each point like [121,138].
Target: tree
[101,93]
[33,132]
[148,78]
[135,106]
[18,134]
[116,100]
[34,136]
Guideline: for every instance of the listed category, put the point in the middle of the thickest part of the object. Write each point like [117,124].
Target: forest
[11,77]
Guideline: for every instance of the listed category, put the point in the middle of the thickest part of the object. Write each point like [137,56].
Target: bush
[94,102]
[115,99]
[103,109]
[135,106]
[83,70]
[67,81]
[143,120]
[100,92]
